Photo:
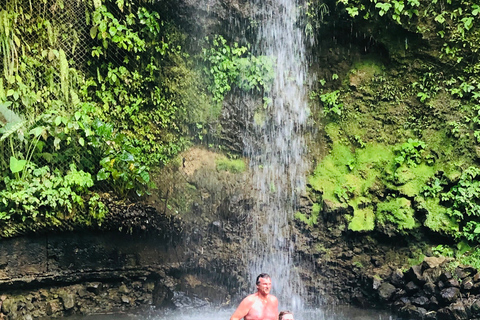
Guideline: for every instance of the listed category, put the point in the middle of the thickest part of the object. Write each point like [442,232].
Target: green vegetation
[312,218]
[232,65]
[403,137]
[92,98]
[230,165]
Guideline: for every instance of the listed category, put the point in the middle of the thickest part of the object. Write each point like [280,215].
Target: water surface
[326,313]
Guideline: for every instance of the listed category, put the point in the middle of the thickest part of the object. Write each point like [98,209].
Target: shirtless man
[260,305]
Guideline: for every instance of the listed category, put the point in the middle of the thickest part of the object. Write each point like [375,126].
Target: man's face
[287,316]
[264,285]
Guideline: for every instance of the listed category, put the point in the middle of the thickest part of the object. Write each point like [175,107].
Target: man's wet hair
[262,275]
[282,313]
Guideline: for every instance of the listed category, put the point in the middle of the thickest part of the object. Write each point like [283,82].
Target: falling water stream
[275,148]
[335,313]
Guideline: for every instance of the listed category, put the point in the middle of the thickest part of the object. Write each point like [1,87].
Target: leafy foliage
[410,153]
[70,127]
[229,66]
[331,105]
[396,215]
[231,165]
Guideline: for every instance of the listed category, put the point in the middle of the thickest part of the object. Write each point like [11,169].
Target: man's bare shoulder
[250,298]
[272,298]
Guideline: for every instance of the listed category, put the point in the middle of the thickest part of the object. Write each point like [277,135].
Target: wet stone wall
[82,273]
[432,290]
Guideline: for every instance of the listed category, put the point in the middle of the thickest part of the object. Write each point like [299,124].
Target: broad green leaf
[103,174]
[17,165]
[93,32]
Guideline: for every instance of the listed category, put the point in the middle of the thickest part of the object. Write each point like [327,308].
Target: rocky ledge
[432,290]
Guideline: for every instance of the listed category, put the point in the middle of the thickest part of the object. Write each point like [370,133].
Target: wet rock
[475,308]
[123,289]
[445,276]
[462,272]
[68,300]
[386,291]
[431,315]
[449,295]
[411,287]
[459,311]
[397,278]
[441,285]
[399,292]
[95,287]
[376,283]
[452,283]
[476,288]
[400,303]
[433,303]
[421,301]
[413,312]
[467,284]
[53,307]
[432,274]
[432,262]
[8,306]
[29,306]
[415,274]
[476,277]
[332,211]
[429,288]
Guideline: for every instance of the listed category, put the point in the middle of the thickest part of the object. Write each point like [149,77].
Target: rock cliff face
[183,244]
[144,255]
[149,255]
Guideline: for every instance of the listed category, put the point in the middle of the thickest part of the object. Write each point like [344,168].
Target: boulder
[386,291]
[449,295]
[475,308]
[432,274]
[421,301]
[397,278]
[68,299]
[411,287]
[415,274]
[429,288]
[432,262]
[413,312]
[461,272]
[467,284]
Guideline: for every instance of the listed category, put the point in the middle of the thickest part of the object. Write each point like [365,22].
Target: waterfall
[275,148]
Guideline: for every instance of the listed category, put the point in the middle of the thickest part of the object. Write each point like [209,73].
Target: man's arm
[275,304]
[242,309]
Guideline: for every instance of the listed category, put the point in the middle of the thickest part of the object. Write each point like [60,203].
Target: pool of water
[330,313]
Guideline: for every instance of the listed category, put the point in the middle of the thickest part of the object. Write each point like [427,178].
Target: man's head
[264,283]
[262,275]
[285,315]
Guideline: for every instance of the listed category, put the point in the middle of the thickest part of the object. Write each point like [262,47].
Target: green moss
[413,179]
[343,175]
[231,165]
[363,216]
[437,219]
[364,71]
[333,131]
[311,219]
[331,173]
[397,212]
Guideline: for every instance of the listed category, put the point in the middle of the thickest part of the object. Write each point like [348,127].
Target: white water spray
[276,148]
